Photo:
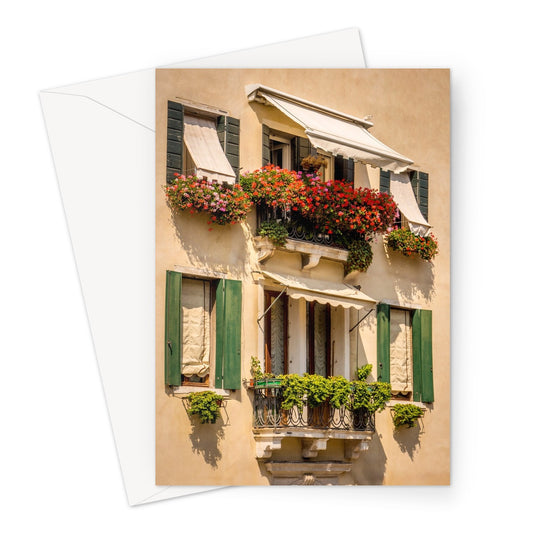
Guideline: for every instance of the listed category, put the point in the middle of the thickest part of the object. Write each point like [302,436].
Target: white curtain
[196,319]
[401,351]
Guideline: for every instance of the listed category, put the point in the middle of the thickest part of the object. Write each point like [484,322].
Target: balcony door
[318,339]
[276,333]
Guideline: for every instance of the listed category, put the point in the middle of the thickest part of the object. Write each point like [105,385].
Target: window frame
[185,381]
[269,297]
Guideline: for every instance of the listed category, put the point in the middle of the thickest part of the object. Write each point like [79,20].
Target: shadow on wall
[205,439]
[417,275]
[408,438]
[219,248]
[370,468]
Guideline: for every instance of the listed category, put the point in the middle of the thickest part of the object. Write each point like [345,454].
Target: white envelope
[102,137]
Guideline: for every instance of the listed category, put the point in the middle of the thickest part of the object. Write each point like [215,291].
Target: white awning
[201,139]
[324,292]
[332,131]
[401,190]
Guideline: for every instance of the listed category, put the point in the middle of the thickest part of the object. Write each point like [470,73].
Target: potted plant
[406,414]
[206,405]
[318,393]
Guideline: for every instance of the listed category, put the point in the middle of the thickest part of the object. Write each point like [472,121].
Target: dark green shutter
[173,329]
[174,140]
[228,129]
[228,334]
[422,356]
[383,335]
[416,332]
[300,148]
[427,356]
[266,146]
[420,185]
[344,170]
[384,180]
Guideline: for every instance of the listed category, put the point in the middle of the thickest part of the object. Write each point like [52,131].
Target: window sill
[187,389]
[392,403]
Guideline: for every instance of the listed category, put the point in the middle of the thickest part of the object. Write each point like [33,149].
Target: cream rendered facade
[410,113]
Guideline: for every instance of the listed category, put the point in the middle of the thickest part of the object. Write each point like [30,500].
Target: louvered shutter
[300,148]
[173,329]
[383,348]
[174,140]
[384,181]
[228,334]
[228,130]
[265,146]
[420,185]
[422,356]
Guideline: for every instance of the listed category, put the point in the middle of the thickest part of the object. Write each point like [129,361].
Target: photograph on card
[302,277]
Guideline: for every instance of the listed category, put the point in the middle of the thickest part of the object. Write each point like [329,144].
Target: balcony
[314,426]
[302,238]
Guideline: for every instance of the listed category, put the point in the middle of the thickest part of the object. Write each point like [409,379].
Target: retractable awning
[324,292]
[332,131]
[201,139]
[401,190]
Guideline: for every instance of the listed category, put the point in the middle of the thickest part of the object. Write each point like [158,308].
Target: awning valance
[201,139]
[324,292]
[333,131]
[402,191]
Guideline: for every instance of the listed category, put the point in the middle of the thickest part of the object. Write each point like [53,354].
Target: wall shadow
[408,438]
[222,249]
[370,468]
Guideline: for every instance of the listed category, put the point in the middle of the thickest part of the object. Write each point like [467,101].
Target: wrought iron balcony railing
[269,414]
[298,228]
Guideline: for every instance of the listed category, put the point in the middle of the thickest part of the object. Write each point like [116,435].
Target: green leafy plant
[341,390]
[359,256]
[275,231]
[407,243]
[370,396]
[206,405]
[363,372]
[256,370]
[294,389]
[406,414]
[318,389]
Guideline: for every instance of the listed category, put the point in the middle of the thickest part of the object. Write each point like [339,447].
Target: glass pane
[277,337]
[320,330]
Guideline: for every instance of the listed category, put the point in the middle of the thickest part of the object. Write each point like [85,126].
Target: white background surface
[58,466]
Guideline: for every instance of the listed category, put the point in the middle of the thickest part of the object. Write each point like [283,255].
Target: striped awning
[332,131]
[321,291]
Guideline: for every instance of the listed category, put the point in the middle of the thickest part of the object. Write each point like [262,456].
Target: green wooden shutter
[344,169]
[383,335]
[266,146]
[228,129]
[174,140]
[173,329]
[427,356]
[417,355]
[420,185]
[422,356]
[300,148]
[228,334]
[232,342]
[384,180]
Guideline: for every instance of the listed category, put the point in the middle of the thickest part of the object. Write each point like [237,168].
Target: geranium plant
[404,241]
[227,204]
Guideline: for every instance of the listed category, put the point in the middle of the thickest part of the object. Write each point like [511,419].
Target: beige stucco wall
[410,110]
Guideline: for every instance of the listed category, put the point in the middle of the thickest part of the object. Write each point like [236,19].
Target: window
[404,350]
[202,331]
[276,332]
[318,319]
[420,189]
[201,141]
[198,321]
